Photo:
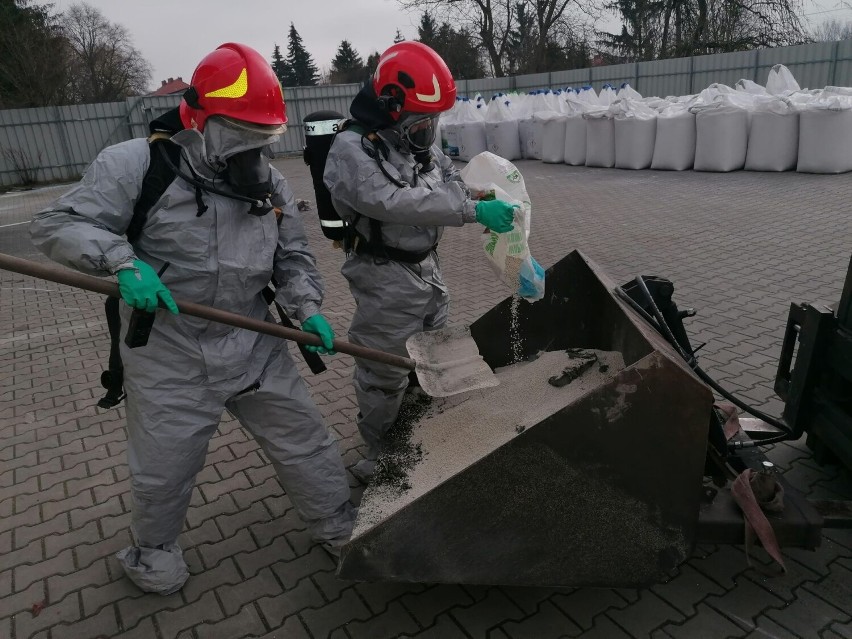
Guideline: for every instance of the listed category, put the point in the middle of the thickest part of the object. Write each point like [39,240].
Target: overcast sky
[174,35]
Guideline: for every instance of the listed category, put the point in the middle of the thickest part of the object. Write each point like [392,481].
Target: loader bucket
[594,482]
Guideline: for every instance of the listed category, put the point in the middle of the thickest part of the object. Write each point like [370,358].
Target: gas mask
[239,152]
[417,131]
[249,175]
[415,134]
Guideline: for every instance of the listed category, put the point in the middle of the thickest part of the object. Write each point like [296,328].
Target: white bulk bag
[825,135]
[721,140]
[773,136]
[600,138]
[749,86]
[635,133]
[607,95]
[501,130]
[674,145]
[449,134]
[524,113]
[626,91]
[470,129]
[780,81]
[550,127]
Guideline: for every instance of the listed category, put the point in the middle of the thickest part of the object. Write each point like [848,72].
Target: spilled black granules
[399,454]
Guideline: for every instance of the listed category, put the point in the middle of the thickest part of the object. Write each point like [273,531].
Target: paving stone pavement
[739,247]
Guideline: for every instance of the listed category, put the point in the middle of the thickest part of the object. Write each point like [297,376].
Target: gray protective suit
[192,370]
[394,300]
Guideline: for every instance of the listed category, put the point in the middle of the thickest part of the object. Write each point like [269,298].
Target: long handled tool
[438,377]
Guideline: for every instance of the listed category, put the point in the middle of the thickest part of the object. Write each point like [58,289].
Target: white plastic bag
[508,253]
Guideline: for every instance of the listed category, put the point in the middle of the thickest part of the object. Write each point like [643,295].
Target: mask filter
[249,175]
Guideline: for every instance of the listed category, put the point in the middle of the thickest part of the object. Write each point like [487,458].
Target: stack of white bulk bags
[470,128]
[721,124]
[600,137]
[781,81]
[773,137]
[501,129]
[825,134]
[575,129]
[674,146]
[551,124]
[449,134]
[524,112]
[635,133]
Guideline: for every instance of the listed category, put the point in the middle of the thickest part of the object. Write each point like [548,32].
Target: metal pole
[104,287]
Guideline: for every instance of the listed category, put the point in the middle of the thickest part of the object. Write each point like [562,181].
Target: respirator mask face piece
[250,175]
[418,131]
[240,153]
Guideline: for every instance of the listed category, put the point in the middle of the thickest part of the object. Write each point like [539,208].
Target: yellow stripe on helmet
[236,90]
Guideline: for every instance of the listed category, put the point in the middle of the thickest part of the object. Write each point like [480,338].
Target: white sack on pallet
[825,135]
[627,91]
[449,135]
[575,130]
[635,132]
[501,130]
[607,95]
[721,128]
[471,132]
[550,129]
[524,111]
[674,146]
[600,138]
[773,137]
[781,81]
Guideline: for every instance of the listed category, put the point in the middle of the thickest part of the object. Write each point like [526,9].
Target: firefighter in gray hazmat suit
[397,191]
[221,252]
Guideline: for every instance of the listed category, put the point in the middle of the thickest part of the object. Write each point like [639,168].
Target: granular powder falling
[455,432]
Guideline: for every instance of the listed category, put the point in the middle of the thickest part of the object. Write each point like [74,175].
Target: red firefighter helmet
[412,78]
[234,81]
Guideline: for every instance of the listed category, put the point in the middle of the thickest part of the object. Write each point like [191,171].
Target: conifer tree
[302,71]
[347,66]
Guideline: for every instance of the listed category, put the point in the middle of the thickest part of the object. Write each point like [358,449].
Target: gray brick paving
[739,247]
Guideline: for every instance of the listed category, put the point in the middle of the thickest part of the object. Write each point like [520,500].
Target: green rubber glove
[496,215]
[318,325]
[141,288]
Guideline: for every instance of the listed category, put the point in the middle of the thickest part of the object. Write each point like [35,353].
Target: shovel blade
[448,362]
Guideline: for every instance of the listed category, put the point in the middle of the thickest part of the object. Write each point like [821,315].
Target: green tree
[279,65]
[398,37]
[372,63]
[34,68]
[454,46]
[347,66]
[301,70]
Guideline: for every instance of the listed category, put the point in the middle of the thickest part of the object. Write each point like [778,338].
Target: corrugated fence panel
[57,143]
[842,73]
[810,64]
[664,77]
[614,74]
[533,81]
[575,78]
[722,68]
